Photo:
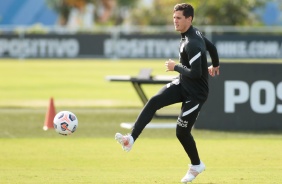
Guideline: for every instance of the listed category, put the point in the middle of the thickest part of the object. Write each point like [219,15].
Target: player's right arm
[194,53]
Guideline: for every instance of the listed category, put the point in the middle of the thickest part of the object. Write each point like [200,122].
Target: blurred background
[86,14]
[109,26]
[36,28]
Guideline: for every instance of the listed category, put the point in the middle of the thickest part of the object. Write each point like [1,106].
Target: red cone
[50,114]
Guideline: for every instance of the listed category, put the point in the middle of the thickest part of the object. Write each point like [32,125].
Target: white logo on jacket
[183,44]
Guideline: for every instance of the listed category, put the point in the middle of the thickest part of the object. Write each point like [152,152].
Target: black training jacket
[193,66]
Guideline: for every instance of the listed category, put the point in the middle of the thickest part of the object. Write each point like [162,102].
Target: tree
[160,13]
[103,8]
[225,12]
[207,12]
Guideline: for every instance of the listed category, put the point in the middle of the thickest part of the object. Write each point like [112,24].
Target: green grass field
[30,155]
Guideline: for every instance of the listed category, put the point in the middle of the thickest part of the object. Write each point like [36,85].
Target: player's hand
[213,70]
[170,65]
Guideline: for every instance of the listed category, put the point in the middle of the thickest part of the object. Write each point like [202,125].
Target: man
[191,88]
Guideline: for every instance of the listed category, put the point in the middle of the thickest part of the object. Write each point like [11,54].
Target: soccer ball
[65,123]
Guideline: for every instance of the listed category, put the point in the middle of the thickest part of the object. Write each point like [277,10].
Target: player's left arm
[214,68]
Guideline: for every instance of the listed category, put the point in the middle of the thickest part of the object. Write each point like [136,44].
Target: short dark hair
[187,9]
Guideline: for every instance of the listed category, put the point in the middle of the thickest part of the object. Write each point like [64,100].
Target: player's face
[181,23]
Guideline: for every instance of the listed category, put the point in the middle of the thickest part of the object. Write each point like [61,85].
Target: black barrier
[53,46]
[248,46]
[143,46]
[244,97]
[89,46]
[106,45]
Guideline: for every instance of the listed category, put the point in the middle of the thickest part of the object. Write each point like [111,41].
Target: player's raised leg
[126,141]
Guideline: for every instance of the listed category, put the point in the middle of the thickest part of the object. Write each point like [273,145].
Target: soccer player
[190,88]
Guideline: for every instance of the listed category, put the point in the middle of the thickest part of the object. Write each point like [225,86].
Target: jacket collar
[187,32]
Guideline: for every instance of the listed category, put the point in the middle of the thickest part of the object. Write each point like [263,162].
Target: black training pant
[170,94]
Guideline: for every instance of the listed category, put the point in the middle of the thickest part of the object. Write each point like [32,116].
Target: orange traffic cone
[50,114]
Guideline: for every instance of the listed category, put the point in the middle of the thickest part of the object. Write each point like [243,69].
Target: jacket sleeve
[194,57]
[213,52]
